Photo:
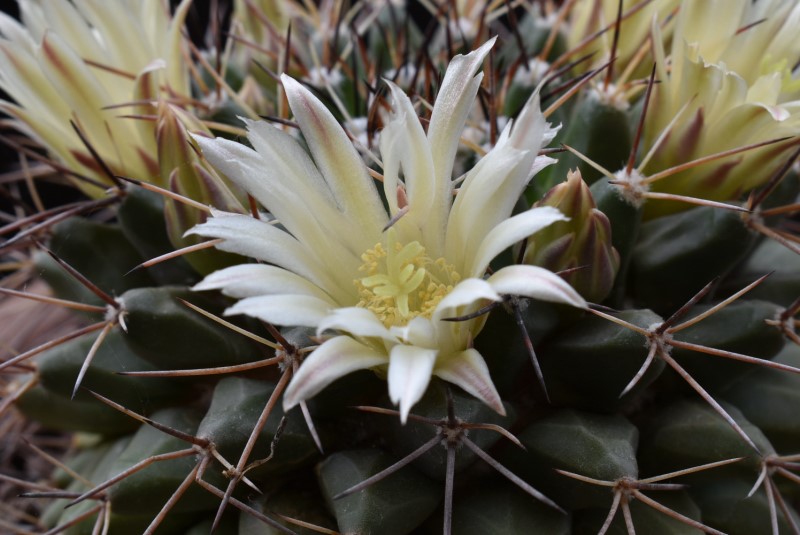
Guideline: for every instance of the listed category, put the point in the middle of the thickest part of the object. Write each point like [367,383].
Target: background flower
[75,61]
[727,83]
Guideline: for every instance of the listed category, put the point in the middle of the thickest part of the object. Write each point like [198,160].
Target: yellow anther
[401,282]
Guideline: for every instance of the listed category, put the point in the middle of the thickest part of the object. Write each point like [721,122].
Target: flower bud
[583,242]
[185,173]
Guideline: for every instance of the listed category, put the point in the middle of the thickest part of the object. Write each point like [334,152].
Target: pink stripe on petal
[469,371]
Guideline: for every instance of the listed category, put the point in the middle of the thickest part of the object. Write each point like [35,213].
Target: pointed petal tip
[202,139]
[291,397]
[468,370]
[192,231]
[410,371]
[551,211]
[249,123]
[485,47]
[290,85]
[479,52]
[155,65]
[332,360]
[295,91]
[405,409]
[200,286]
[289,402]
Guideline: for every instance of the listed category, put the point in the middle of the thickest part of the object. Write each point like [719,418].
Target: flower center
[402,282]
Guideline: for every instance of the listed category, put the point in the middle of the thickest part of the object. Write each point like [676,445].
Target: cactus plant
[460,277]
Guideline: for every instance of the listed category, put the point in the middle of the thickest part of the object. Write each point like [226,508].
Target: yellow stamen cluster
[401,282]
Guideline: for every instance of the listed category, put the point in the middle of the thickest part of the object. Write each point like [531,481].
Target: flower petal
[80,89]
[403,144]
[494,185]
[357,322]
[42,128]
[258,239]
[410,370]
[283,309]
[484,200]
[468,370]
[115,28]
[535,282]
[418,332]
[334,359]
[291,167]
[63,19]
[509,232]
[466,297]
[335,156]
[78,86]
[250,280]
[12,30]
[530,130]
[453,104]
[283,182]
[247,167]
[177,73]
[466,292]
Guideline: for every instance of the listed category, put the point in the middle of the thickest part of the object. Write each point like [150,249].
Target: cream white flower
[75,60]
[595,20]
[728,80]
[384,291]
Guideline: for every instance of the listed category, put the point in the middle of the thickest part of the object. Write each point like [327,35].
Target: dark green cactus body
[60,366]
[771,400]
[625,220]
[235,407]
[100,252]
[60,412]
[148,489]
[585,435]
[593,445]
[676,255]
[141,219]
[393,506]
[727,506]
[689,433]
[407,438]
[782,265]
[592,361]
[741,328]
[499,507]
[645,518]
[170,335]
[600,131]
